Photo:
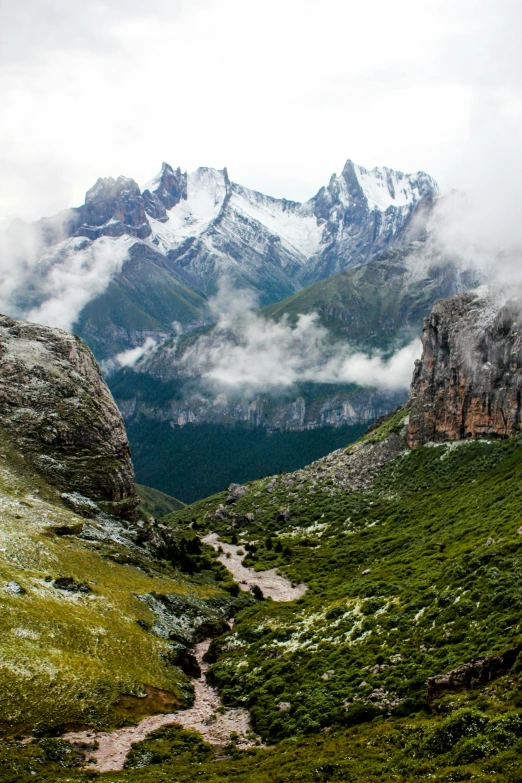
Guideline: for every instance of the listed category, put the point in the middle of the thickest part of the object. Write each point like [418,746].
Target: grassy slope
[374,306]
[437,595]
[157,503]
[145,297]
[67,657]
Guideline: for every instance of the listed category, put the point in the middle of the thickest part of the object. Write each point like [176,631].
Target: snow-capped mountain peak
[189,230]
[382,187]
[202,194]
[385,188]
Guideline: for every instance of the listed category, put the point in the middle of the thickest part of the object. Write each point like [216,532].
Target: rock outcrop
[57,411]
[469,380]
[474,674]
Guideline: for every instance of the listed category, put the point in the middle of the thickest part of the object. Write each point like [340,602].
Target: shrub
[462,724]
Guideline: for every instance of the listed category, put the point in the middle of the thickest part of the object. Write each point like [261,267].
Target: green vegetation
[412,578]
[393,423]
[146,297]
[376,305]
[402,586]
[199,459]
[75,638]
[157,503]
[466,745]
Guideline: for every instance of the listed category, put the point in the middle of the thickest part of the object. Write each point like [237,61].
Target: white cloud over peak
[52,286]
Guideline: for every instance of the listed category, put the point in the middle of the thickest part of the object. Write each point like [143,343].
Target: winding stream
[108,750]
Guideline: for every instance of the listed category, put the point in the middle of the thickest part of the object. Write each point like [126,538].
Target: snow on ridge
[384,187]
[206,191]
[295,223]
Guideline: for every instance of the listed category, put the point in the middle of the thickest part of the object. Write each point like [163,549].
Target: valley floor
[412,562]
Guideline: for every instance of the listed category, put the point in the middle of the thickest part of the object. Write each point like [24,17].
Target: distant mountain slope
[380,304]
[376,306]
[199,459]
[156,503]
[138,260]
[142,301]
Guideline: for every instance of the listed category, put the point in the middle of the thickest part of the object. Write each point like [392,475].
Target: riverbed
[108,749]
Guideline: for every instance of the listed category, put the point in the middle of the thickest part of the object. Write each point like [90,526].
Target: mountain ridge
[186,231]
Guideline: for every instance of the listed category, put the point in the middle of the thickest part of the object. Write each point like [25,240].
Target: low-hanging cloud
[130,357]
[248,354]
[52,285]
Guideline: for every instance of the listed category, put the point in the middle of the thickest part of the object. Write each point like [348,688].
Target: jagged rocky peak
[57,412]
[107,188]
[168,188]
[469,380]
[113,207]
[384,188]
[378,189]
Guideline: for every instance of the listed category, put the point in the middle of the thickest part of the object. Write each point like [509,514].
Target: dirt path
[271,583]
[216,727]
[206,715]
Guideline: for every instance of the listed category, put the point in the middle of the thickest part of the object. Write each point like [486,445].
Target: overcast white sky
[280,91]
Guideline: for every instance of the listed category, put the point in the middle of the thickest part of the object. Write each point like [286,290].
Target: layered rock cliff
[469,380]
[57,410]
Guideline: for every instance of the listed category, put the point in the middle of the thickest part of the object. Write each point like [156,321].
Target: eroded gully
[107,751]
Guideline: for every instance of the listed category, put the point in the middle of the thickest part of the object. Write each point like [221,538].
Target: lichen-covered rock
[188,620]
[471,675]
[469,380]
[58,412]
[235,493]
[346,470]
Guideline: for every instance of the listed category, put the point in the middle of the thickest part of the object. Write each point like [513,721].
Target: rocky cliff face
[57,411]
[469,380]
[342,406]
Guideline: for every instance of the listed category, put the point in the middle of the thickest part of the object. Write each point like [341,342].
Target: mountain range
[153,269]
[183,233]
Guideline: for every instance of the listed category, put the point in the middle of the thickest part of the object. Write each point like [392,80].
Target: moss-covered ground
[70,658]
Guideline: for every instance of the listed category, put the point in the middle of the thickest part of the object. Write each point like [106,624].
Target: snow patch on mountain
[206,192]
[294,223]
[385,188]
